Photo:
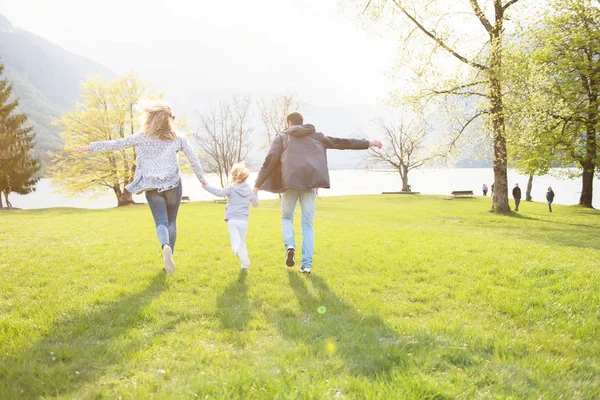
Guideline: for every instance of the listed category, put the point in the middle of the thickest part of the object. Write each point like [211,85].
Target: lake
[343,182]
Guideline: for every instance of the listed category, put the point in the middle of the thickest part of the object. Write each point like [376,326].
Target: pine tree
[18,165]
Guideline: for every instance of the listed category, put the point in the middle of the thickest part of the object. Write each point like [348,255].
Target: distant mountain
[46,77]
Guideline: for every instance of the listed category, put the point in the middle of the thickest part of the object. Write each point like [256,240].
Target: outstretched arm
[109,145]
[254,200]
[348,144]
[272,160]
[216,191]
[193,159]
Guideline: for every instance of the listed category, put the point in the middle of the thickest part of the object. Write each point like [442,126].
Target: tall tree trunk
[500,199]
[529,186]
[405,184]
[8,204]
[587,187]
[404,176]
[589,164]
[1,206]
[124,198]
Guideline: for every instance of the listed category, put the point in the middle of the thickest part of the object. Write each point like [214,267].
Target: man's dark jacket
[516,192]
[550,195]
[298,159]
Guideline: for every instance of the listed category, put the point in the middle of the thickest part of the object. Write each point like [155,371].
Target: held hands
[255,190]
[375,143]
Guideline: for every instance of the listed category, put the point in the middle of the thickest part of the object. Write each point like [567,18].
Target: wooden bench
[462,193]
[185,198]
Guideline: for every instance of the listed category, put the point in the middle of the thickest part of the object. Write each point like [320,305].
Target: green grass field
[410,297]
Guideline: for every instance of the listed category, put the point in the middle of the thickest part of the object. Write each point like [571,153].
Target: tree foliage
[566,45]
[108,111]
[533,136]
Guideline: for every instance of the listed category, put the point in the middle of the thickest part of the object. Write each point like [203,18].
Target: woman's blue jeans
[164,207]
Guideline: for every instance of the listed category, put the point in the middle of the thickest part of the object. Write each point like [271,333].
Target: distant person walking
[550,197]
[484,188]
[517,196]
[157,172]
[492,187]
[296,166]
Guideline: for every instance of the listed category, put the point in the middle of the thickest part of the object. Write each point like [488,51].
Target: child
[239,197]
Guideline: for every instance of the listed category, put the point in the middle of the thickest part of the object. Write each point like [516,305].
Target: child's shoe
[244,259]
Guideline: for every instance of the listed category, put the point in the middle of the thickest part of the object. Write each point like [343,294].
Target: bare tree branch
[482,18]
[464,127]
[439,41]
[224,135]
[404,149]
[508,4]
[274,112]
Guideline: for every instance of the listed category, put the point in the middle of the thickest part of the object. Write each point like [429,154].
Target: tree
[404,148]
[567,43]
[224,135]
[478,58]
[18,165]
[531,158]
[533,137]
[274,112]
[108,112]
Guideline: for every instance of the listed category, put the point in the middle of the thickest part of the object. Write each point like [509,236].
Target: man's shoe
[290,257]
[305,270]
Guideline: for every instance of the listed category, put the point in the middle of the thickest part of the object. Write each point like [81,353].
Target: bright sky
[194,49]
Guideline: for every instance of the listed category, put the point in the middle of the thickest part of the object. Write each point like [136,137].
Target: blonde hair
[239,173]
[159,120]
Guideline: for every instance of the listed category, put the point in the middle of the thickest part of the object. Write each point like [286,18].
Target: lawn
[410,297]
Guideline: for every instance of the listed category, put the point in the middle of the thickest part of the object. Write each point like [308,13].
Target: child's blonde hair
[159,120]
[239,173]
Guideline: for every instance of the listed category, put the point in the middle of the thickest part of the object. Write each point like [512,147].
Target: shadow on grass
[232,305]
[515,214]
[553,231]
[331,328]
[585,238]
[80,348]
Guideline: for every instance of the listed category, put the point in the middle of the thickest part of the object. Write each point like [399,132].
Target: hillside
[46,77]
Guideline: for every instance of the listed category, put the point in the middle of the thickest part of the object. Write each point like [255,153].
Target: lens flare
[321,310]
[331,347]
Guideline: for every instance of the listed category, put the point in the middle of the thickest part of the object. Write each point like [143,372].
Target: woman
[157,172]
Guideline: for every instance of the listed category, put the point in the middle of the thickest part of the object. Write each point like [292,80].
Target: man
[517,196]
[550,197]
[296,166]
